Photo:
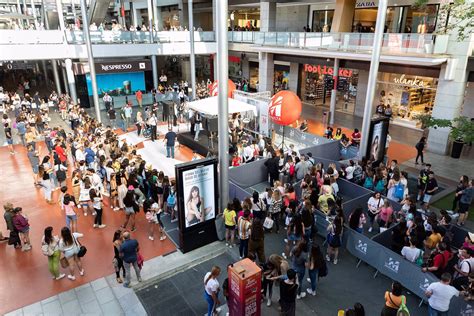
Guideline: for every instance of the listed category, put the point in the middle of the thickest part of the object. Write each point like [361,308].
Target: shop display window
[322,20]
[407,96]
[281,78]
[421,20]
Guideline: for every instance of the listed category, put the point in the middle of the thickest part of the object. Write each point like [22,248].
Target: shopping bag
[268,223]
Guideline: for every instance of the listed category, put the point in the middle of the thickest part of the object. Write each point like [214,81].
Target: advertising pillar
[245,284]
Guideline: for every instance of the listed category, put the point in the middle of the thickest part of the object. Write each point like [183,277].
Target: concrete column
[45,70]
[293,77]
[335,78]
[59,8]
[56,76]
[361,93]
[245,68]
[154,69]
[33,10]
[343,16]
[214,10]
[71,80]
[186,69]
[136,19]
[214,61]
[266,72]
[183,14]
[66,87]
[157,16]
[268,16]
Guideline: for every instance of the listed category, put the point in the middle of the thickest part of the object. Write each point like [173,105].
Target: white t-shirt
[411,254]
[467,265]
[349,172]
[442,294]
[212,285]
[374,203]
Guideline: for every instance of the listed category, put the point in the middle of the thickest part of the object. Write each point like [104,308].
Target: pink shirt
[69,209]
[386,213]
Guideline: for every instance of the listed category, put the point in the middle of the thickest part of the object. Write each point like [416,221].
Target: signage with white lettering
[415,82]
[124,66]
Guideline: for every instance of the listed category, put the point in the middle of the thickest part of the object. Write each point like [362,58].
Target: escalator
[98,10]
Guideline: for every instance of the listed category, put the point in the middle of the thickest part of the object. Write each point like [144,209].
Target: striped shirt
[244,228]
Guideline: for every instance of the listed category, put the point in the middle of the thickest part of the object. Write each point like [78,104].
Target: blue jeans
[313,276]
[300,272]
[210,303]
[170,151]
[434,312]
[244,248]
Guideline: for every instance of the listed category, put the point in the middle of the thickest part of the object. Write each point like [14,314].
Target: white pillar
[33,10]
[335,78]
[66,87]
[71,81]
[56,76]
[59,8]
[293,77]
[268,16]
[157,16]
[266,72]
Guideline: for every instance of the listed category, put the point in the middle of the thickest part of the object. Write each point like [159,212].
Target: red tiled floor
[25,278]
[398,151]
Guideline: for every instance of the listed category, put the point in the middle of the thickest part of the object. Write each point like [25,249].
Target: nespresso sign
[122,66]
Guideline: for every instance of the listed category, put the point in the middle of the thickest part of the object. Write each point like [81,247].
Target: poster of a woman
[196,210]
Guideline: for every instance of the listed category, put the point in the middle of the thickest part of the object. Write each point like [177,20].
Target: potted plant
[424,119]
[462,131]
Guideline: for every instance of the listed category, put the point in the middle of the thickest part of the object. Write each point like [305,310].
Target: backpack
[369,183]
[171,200]
[380,186]
[323,271]
[403,309]
[358,174]
[399,191]
[102,173]
[292,170]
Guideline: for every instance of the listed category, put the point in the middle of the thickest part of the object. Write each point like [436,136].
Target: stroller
[146,132]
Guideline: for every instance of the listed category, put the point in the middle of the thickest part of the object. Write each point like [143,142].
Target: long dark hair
[300,246]
[355,218]
[117,235]
[316,255]
[66,236]
[48,235]
[298,225]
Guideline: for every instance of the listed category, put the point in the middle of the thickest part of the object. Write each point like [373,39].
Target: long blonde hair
[215,271]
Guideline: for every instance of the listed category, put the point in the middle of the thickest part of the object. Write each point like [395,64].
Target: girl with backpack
[394,301]
[171,203]
[395,188]
[369,179]
[50,248]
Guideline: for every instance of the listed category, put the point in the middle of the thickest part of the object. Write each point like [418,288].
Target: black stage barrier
[202,147]
[328,150]
[249,174]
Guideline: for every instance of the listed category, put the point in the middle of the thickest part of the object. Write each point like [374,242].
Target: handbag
[82,249]
[64,263]
[268,223]
[46,249]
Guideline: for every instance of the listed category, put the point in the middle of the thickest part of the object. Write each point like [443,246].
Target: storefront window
[317,83]
[322,20]
[407,96]
[281,78]
[421,20]
[253,72]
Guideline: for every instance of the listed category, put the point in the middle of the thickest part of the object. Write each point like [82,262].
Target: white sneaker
[227,244]
[269,302]
[81,272]
[151,238]
[370,229]
[102,226]
[62,275]
[303,294]
[85,214]
[308,279]
[71,277]
[218,310]
[285,240]
[298,297]
[230,246]
[162,238]
[283,255]
[335,261]
[328,258]
[95,225]
[94,213]
[79,206]
[311,292]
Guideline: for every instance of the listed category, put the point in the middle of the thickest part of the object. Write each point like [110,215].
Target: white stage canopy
[209,106]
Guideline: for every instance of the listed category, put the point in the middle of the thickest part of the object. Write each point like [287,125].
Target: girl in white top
[69,245]
[211,290]
[374,205]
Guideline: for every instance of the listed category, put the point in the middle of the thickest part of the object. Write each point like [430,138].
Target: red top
[441,260]
[356,137]
[61,153]
[138,95]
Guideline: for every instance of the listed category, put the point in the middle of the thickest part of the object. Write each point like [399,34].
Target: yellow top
[229,217]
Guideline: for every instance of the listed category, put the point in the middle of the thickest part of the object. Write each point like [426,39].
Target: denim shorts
[293,237]
[70,218]
[129,211]
[71,252]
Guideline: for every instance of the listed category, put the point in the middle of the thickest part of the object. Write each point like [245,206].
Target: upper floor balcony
[416,45]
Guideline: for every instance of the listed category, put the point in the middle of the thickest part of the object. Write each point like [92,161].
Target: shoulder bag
[82,249]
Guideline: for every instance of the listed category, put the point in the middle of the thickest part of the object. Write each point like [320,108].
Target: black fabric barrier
[237,192]
[385,238]
[249,174]
[298,136]
[351,190]
[351,205]
[327,151]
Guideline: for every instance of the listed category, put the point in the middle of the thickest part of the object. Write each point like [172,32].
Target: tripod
[282,144]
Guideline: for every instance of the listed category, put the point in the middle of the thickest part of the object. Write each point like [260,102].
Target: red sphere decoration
[284,107]
[213,88]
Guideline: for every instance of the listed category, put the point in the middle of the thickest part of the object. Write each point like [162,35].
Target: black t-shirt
[431,184]
[170,138]
[8,132]
[112,115]
[288,292]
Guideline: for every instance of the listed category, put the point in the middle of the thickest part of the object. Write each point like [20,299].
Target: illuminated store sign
[415,82]
[325,70]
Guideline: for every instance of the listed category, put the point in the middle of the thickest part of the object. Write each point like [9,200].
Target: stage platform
[202,146]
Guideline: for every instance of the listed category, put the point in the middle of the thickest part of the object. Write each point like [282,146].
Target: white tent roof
[209,106]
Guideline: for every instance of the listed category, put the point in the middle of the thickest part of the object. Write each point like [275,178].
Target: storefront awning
[210,106]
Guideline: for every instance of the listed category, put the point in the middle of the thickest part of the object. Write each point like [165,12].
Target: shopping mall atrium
[244,157]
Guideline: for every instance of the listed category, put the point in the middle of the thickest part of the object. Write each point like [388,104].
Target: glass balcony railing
[351,42]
